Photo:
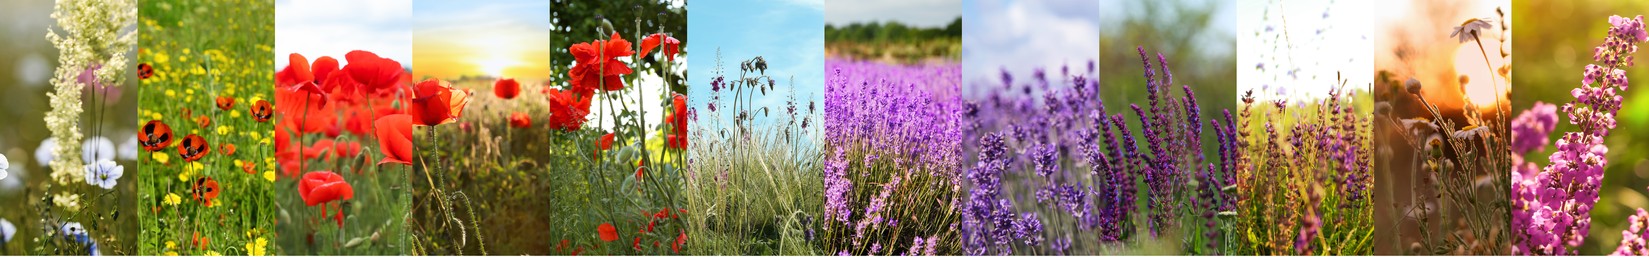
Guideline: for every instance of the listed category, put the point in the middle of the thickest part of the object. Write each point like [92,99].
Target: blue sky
[788,34]
[317,28]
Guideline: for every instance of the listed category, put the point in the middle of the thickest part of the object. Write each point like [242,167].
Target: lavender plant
[1552,204]
[1304,181]
[1086,172]
[891,159]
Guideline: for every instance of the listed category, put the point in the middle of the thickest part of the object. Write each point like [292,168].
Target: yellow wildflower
[161,157]
[172,199]
[257,248]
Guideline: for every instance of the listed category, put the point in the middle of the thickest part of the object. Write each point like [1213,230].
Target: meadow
[205,187]
[1304,127]
[1305,179]
[1440,134]
[753,176]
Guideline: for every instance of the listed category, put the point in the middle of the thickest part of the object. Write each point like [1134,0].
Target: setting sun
[1482,85]
[458,42]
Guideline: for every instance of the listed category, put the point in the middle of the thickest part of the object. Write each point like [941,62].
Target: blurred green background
[1559,43]
[1198,38]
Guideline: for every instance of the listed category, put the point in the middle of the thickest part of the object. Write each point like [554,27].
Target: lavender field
[892,161]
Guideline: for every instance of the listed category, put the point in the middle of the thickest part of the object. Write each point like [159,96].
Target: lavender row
[892,158]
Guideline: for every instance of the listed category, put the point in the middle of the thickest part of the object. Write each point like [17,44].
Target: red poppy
[227,149]
[249,167]
[144,71]
[226,103]
[203,121]
[376,75]
[567,109]
[201,242]
[436,102]
[322,69]
[608,232]
[156,135]
[520,120]
[678,122]
[680,240]
[324,186]
[598,67]
[193,148]
[506,88]
[205,190]
[261,111]
[671,45]
[341,149]
[395,138]
[637,244]
[607,141]
[297,77]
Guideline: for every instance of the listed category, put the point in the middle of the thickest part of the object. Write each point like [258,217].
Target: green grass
[489,189]
[1278,180]
[753,198]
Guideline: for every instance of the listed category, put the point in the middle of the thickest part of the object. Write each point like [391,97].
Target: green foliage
[895,42]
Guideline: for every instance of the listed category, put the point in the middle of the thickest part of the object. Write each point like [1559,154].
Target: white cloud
[317,28]
[1023,35]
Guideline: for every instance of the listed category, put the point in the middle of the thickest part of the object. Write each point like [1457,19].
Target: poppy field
[205,128]
[593,159]
[344,147]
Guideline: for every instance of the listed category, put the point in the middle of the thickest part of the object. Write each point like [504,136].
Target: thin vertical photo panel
[1441,81]
[1578,175]
[481,69]
[1304,129]
[753,186]
[592,159]
[892,128]
[1167,82]
[208,172]
[67,139]
[343,113]
[1029,88]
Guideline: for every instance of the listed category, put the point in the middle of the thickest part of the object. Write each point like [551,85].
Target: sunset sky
[491,38]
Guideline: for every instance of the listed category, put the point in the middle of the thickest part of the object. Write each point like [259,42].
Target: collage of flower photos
[823,128]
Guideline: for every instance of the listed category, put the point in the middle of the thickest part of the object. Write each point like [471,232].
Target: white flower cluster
[88,33]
